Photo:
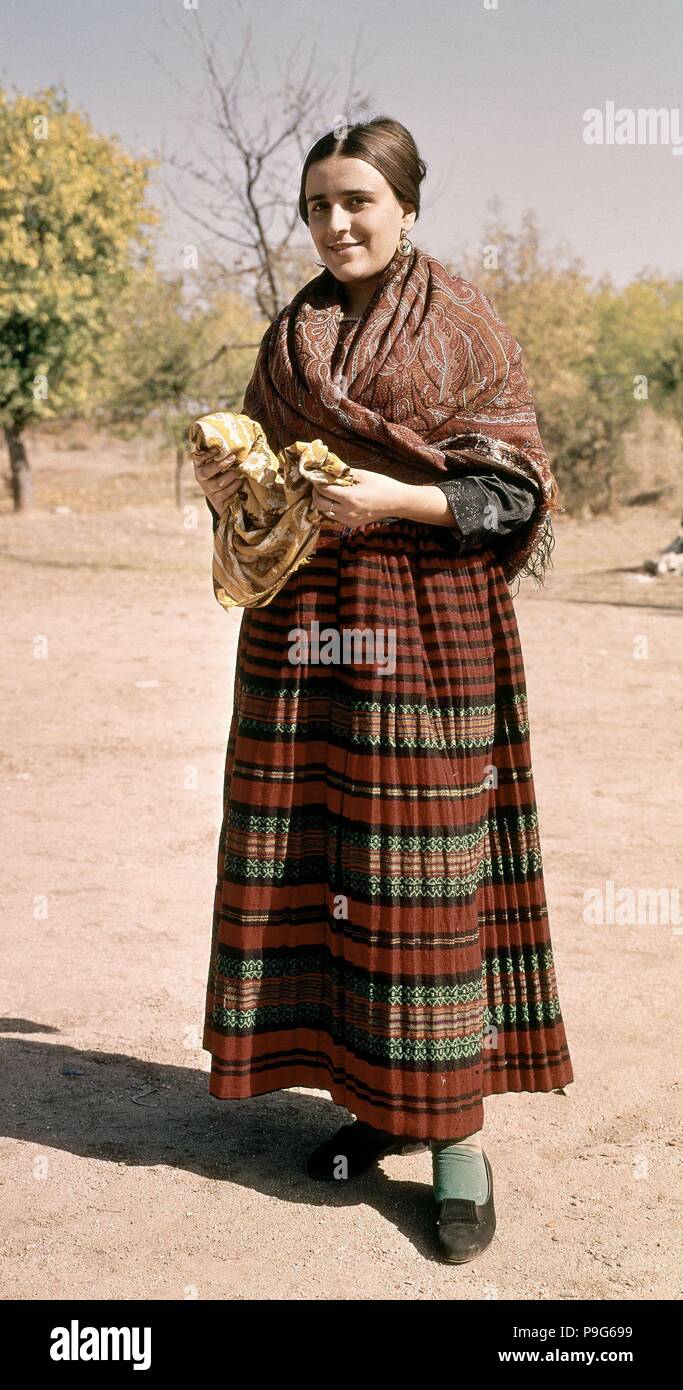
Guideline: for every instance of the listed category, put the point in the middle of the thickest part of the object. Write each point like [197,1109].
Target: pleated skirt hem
[418,1118]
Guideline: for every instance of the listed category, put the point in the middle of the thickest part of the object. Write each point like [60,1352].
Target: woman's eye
[317,207]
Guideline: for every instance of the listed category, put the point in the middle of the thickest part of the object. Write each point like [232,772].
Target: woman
[380,925]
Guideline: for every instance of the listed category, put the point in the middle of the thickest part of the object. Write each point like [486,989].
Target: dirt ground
[122,1178]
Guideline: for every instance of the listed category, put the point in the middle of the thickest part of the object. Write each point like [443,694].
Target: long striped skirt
[380,928]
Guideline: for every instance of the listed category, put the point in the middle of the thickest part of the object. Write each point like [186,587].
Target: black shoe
[462,1228]
[361,1146]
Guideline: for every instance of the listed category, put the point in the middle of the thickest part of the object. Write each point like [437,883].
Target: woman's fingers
[218,496]
[323,501]
[218,481]
[203,472]
[231,483]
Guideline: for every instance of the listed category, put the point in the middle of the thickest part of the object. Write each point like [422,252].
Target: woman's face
[350,204]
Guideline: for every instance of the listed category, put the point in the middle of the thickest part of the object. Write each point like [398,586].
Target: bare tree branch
[244,181]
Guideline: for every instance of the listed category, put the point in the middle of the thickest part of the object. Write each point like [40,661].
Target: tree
[171,360]
[654,312]
[594,353]
[243,183]
[72,218]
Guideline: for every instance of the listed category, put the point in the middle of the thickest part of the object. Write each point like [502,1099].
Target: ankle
[459,1170]
[473,1141]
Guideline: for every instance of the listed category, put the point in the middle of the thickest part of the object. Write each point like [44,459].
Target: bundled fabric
[269,526]
[429,382]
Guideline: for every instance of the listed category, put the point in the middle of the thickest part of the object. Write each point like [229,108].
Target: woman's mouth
[345,247]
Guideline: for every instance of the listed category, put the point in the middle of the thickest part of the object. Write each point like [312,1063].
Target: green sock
[458,1170]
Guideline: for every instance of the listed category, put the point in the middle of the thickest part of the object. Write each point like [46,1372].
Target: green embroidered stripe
[364,739]
[394,1049]
[233,965]
[398,885]
[267,1016]
[534,960]
[338,697]
[345,977]
[297,823]
[404,996]
[543,1010]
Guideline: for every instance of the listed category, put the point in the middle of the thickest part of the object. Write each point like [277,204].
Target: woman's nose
[339,221]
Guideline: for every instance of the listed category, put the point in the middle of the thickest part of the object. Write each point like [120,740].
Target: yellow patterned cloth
[269,526]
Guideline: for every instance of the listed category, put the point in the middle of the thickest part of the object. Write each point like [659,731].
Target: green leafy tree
[656,312]
[72,219]
[594,353]
[170,361]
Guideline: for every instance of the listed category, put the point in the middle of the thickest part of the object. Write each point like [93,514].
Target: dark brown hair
[382,142]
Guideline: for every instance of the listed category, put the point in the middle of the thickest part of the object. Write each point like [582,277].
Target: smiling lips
[345,246]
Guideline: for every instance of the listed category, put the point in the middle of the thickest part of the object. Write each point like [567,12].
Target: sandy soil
[122,1177]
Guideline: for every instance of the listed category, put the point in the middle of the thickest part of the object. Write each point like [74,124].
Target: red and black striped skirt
[380,926]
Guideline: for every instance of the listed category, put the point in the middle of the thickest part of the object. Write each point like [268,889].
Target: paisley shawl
[429,381]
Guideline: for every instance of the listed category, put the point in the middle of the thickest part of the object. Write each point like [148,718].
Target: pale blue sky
[494,98]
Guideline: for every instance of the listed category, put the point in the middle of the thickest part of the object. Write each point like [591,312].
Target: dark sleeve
[214,514]
[487,505]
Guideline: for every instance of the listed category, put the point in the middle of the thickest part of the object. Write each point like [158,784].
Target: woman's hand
[371,497]
[216,483]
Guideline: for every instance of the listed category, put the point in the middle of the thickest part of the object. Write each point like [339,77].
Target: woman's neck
[357,297]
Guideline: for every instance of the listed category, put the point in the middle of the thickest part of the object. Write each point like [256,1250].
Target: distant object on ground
[671,560]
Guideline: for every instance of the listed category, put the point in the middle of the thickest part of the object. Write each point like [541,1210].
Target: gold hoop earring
[405,246]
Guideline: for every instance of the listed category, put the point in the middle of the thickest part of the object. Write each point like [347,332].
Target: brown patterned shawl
[432,382]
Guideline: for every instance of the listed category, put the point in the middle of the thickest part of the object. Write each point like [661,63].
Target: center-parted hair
[382,142]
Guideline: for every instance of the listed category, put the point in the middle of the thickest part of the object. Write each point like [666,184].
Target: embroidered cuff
[486,507]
